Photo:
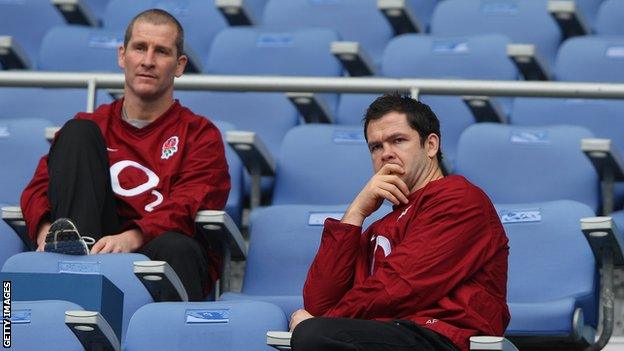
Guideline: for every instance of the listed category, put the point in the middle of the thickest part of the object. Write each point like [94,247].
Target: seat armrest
[220,224]
[400,16]
[353,58]
[485,109]
[605,158]
[252,152]
[12,56]
[602,235]
[609,166]
[312,107]
[482,343]
[528,60]
[92,330]
[256,157]
[76,12]
[235,12]
[279,339]
[568,17]
[12,215]
[160,280]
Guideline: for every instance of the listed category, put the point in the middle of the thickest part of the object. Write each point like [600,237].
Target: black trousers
[337,334]
[80,189]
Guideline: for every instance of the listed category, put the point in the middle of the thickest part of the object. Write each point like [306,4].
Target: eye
[399,140]
[375,147]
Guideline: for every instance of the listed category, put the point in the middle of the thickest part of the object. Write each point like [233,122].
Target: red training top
[439,261]
[161,174]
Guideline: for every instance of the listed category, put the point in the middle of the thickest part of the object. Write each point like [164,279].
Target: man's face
[150,61]
[392,140]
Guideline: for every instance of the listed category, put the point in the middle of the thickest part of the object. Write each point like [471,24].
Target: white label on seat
[529,137]
[79,267]
[20,316]
[101,41]
[615,52]
[208,316]
[499,7]
[349,137]
[520,216]
[450,47]
[275,40]
[4,132]
[318,218]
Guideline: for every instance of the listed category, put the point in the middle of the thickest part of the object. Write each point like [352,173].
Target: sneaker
[63,237]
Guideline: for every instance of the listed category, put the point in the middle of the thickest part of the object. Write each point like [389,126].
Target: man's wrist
[353,217]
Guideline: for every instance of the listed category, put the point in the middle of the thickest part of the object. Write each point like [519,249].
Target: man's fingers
[395,191]
[388,196]
[391,168]
[97,247]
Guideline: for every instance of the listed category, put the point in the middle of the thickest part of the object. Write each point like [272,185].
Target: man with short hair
[427,276]
[132,175]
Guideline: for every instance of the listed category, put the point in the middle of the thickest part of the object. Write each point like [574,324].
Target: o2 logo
[152,182]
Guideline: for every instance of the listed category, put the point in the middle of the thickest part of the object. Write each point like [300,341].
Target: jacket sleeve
[331,274]
[449,240]
[34,200]
[203,183]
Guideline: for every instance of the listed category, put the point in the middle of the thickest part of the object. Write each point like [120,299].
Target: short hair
[419,116]
[157,17]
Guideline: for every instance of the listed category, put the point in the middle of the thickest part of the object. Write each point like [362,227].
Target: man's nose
[388,154]
[148,58]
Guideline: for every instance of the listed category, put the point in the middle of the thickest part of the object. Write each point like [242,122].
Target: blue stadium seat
[354,20]
[28,21]
[23,143]
[40,325]
[283,241]
[322,164]
[525,22]
[352,108]
[55,105]
[610,18]
[10,243]
[218,326]
[591,59]
[200,19]
[118,268]
[528,164]
[270,115]
[97,7]
[234,205]
[83,49]
[546,249]
[476,57]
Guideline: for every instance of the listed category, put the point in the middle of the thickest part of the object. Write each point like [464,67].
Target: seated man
[427,276]
[131,176]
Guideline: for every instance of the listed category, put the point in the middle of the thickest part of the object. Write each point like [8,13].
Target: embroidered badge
[169,147]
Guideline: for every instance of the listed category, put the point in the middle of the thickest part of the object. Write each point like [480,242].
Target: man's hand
[385,184]
[127,241]
[297,317]
[44,228]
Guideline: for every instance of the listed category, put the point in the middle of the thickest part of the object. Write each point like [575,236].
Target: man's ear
[121,53]
[432,145]
[182,61]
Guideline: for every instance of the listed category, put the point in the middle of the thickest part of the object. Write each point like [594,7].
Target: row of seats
[354,20]
[545,241]
[326,164]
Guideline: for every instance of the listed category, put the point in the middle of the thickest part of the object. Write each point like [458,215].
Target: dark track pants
[337,334]
[80,189]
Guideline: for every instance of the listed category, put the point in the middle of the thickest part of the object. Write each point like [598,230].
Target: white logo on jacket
[404,212]
[383,243]
[152,182]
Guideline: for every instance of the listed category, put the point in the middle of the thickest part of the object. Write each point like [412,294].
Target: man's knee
[79,128]
[175,245]
[309,335]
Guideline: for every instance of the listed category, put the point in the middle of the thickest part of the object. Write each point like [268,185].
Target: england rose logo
[169,147]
